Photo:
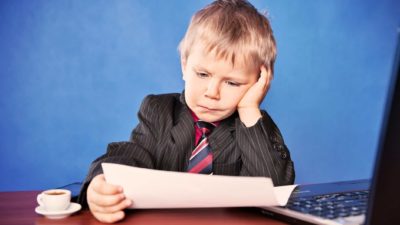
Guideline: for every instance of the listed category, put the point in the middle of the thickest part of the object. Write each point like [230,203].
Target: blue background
[73,74]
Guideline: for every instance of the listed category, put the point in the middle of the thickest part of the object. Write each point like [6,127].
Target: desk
[18,208]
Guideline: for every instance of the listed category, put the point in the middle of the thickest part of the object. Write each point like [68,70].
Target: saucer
[73,207]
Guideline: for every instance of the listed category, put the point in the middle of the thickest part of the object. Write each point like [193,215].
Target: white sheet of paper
[149,188]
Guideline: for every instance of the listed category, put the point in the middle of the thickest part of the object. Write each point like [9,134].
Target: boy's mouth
[207,109]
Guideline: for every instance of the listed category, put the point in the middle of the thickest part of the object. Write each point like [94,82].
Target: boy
[227,58]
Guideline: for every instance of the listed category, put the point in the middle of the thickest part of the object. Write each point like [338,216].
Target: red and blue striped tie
[201,159]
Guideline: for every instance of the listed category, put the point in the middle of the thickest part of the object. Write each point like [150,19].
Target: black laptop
[375,201]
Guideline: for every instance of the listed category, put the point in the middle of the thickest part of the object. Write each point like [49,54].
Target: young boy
[227,59]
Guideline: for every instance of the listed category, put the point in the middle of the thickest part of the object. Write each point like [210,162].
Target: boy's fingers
[110,217]
[105,200]
[111,209]
[102,187]
[265,77]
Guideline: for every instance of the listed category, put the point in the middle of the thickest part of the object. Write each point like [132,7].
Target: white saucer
[73,207]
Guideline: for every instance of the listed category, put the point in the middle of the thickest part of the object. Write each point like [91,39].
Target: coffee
[55,199]
[55,193]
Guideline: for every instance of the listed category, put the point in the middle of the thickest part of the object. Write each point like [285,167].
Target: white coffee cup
[54,199]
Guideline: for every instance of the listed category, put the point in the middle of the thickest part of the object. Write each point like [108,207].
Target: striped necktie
[201,159]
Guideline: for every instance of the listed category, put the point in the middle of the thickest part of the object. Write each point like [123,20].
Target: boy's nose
[213,90]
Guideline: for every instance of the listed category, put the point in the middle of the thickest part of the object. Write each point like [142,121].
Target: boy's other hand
[249,105]
[106,201]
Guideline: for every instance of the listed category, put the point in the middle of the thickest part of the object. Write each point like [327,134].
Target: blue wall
[73,73]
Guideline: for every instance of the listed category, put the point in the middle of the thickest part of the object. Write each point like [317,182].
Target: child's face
[213,87]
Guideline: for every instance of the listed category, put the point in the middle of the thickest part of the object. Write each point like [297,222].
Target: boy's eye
[232,83]
[202,75]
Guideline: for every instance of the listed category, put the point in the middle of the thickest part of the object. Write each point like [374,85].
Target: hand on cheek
[249,105]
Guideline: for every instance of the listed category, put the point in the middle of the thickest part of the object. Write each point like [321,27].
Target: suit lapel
[183,133]
[222,138]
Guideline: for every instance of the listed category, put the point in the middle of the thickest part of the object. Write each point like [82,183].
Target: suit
[165,136]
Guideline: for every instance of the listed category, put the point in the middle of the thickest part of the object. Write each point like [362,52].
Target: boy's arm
[139,151]
[263,151]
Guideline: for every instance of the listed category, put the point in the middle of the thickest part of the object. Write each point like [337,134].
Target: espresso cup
[54,199]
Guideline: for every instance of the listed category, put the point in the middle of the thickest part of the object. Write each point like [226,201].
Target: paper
[149,188]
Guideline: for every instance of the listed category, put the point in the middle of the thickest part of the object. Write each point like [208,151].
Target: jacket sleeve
[139,151]
[263,151]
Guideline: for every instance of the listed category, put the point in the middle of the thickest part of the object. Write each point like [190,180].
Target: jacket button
[283,155]
[278,147]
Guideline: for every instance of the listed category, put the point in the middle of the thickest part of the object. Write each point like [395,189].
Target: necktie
[201,159]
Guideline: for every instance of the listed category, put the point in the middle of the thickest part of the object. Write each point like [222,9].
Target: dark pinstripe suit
[165,137]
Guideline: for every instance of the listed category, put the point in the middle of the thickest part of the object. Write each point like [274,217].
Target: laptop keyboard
[332,206]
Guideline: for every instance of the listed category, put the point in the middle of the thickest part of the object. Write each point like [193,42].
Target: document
[149,188]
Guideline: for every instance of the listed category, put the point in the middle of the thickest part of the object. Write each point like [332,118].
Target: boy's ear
[183,66]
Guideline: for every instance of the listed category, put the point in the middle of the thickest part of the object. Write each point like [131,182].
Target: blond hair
[235,30]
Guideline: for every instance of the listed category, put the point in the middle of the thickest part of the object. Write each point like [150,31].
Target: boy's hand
[106,201]
[249,105]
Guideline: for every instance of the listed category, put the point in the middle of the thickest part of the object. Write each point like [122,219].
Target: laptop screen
[384,202]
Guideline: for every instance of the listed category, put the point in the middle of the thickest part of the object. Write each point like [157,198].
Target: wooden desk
[17,208]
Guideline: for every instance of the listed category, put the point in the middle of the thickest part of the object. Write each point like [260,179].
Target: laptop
[375,201]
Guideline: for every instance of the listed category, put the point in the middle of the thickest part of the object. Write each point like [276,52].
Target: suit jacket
[165,136]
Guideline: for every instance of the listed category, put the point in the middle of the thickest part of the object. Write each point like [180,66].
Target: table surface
[19,208]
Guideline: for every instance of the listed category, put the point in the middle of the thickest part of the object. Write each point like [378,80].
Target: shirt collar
[195,119]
